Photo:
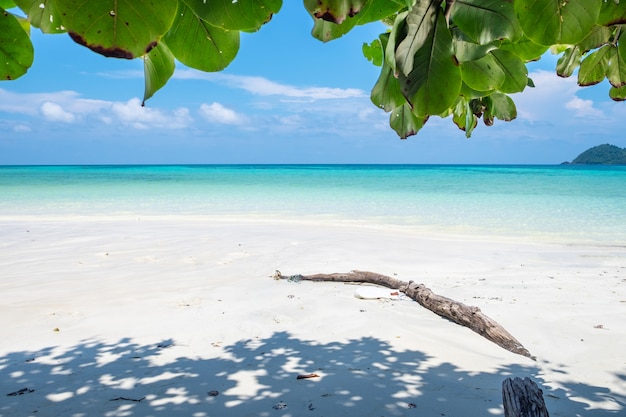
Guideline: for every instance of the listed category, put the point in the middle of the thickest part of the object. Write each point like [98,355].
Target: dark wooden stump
[523,398]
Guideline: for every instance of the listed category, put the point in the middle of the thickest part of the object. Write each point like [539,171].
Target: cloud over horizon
[55,113]
[264,87]
[69,107]
[553,99]
[218,113]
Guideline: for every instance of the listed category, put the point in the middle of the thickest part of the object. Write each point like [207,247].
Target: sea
[565,203]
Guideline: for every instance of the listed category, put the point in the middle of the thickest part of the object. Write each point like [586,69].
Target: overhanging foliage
[446,58]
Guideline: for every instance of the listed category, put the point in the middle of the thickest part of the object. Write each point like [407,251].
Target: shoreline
[434,231]
[170,309]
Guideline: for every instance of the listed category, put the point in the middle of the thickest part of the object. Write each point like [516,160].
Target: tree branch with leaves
[457,59]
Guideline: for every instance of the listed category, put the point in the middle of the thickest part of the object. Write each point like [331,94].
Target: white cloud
[217,113]
[368,112]
[553,99]
[583,108]
[69,107]
[132,113]
[122,74]
[21,128]
[82,106]
[29,103]
[295,121]
[283,107]
[55,113]
[34,104]
[264,87]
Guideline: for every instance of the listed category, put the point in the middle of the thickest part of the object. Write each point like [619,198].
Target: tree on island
[602,155]
[448,58]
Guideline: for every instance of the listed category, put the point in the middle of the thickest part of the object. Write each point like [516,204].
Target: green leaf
[117,28]
[558,49]
[483,74]
[549,22]
[612,12]
[500,106]
[618,94]
[325,31]
[200,45]
[7,4]
[486,20]
[374,51]
[467,50]
[516,73]
[404,122]
[598,36]
[594,67]
[525,49]
[420,28]
[335,11]
[386,93]
[16,49]
[42,14]
[373,10]
[568,62]
[468,92]
[621,44]
[235,15]
[435,82]
[616,68]
[621,48]
[158,67]
[396,34]
[463,117]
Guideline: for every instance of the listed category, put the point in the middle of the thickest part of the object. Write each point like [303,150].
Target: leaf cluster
[448,58]
[202,34]
[464,58]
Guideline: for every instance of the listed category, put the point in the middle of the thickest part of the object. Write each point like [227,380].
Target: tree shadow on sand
[258,377]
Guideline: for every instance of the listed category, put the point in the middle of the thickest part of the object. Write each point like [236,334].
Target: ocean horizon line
[295,164]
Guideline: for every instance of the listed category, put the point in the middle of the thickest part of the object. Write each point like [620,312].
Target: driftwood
[522,398]
[468,316]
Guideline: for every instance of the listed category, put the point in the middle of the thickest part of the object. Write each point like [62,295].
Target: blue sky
[287,98]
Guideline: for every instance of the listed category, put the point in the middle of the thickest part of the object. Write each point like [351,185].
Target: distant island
[601,155]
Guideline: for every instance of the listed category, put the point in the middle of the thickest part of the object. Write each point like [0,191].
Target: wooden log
[522,398]
[462,314]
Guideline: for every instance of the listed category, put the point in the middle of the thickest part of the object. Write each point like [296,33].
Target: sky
[286,98]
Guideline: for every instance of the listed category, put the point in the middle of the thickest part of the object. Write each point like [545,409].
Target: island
[601,155]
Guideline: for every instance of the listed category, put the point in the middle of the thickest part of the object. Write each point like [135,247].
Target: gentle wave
[564,202]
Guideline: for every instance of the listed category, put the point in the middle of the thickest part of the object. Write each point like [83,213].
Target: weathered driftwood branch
[522,398]
[468,316]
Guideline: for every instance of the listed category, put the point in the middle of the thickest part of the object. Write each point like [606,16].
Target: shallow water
[572,203]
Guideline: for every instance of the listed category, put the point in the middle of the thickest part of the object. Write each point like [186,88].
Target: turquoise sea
[564,202]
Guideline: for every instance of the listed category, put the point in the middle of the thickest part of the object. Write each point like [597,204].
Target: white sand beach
[179,316]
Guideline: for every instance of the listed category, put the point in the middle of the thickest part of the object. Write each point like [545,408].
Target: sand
[179,316]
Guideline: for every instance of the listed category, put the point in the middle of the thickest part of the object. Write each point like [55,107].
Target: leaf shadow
[258,377]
